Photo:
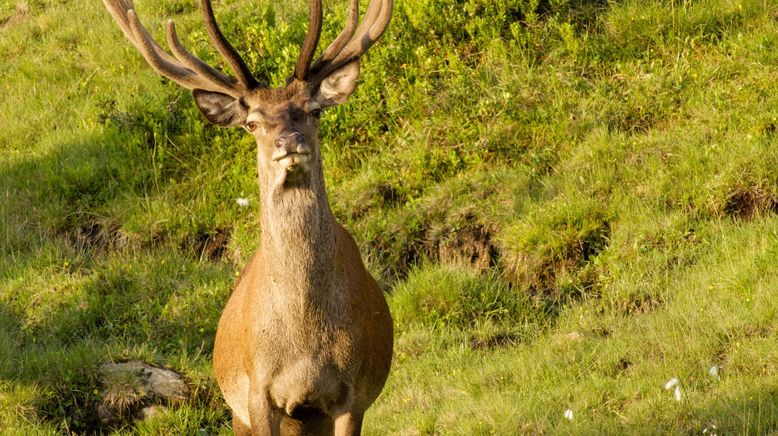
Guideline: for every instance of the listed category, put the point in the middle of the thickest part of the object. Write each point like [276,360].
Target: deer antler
[225,48]
[347,47]
[185,69]
[191,72]
[311,41]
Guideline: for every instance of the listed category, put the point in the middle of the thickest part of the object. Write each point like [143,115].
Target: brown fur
[304,344]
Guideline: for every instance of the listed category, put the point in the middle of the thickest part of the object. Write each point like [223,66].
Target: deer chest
[312,383]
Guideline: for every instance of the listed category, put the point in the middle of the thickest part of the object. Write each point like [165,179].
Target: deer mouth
[291,160]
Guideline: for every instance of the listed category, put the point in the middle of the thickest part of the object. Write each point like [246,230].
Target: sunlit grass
[569,206]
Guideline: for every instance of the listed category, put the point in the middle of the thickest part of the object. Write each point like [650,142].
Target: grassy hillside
[568,202]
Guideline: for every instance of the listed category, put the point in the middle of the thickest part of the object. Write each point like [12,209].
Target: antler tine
[369,32]
[193,62]
[345,35]
[164,64]
[173,71]
[311,41]
[375,22]
[225,48]
[119,10]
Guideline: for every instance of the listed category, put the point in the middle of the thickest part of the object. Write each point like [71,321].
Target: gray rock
[149,412]
[107,415]
[137,390]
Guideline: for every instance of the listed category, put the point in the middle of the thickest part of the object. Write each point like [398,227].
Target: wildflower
[673,382]
[569,414]
[710,430]
[242,202]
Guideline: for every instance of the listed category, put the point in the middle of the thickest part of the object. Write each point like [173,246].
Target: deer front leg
[265,417]
[349,424]
[239,427]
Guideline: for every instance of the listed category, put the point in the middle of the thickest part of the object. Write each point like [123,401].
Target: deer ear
[220,109]
[338,86]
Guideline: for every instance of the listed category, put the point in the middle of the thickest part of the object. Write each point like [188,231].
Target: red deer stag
[304,344]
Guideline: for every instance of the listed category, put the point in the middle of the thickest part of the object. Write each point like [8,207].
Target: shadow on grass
[163,309]
[60,192]
[62,377]
[9,337]
[75,296]
[89,180]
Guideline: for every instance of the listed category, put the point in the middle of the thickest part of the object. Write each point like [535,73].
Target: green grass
[568,202]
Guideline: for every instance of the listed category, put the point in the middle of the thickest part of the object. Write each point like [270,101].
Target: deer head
[284,120]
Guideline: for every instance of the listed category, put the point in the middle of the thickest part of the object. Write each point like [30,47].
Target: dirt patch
[623,365]
[96,236]
[498,340]
[136,390]
[388,193]
[208,244]
[469,245]
[361,202]
[559,259]
[770,128]
[749,202]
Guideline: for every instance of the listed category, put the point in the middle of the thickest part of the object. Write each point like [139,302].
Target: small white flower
[673,382]
[677,393]
[242,202]
[714,371]
[710,430]
[569,414]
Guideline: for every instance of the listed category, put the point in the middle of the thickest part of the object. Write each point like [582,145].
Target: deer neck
[298,235]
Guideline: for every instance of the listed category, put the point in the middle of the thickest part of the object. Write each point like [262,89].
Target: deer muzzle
[291,149]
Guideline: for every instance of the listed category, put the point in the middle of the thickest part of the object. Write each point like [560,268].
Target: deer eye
[252,126]
[316,113]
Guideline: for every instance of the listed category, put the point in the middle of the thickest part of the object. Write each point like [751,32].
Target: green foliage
[568,202]
[559,240]
[640,27]
[442,298]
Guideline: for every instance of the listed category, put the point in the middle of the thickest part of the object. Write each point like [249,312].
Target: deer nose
[291,141]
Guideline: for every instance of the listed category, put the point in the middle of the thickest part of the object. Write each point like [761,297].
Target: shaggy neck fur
[298,235]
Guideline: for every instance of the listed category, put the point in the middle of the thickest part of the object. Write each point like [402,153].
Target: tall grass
[568,203]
